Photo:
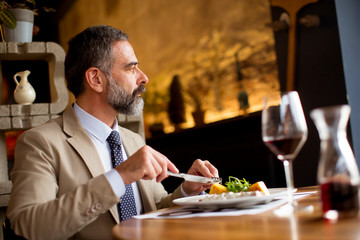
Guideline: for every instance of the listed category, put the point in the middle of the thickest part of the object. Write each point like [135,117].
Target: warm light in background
[222,52]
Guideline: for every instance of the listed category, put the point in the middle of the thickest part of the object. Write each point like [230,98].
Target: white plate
[241,202]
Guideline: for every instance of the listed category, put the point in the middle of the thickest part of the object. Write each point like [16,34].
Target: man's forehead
[124,52]
[123,47]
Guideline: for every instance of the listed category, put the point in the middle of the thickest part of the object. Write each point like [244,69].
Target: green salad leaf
[236,185]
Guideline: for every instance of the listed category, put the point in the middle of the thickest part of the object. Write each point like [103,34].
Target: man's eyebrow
[131,64]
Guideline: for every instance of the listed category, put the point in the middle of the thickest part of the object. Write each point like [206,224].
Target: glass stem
[289,181]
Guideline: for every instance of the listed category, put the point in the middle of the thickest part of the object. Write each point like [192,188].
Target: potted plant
[17,19]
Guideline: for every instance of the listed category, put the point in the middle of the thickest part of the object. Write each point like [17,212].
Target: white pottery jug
[24,93]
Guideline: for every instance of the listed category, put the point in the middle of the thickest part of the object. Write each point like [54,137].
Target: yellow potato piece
[260,186]
[217,188]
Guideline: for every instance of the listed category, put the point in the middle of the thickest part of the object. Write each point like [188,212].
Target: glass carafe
[338,173]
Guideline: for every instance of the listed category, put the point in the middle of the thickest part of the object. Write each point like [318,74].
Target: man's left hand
[200,168]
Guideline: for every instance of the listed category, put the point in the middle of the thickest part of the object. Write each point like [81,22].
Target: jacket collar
[82,143]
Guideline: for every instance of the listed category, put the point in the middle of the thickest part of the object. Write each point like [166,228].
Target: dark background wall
[319,77]
[235,145]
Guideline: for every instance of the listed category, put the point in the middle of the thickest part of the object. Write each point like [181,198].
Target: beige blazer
[59,188]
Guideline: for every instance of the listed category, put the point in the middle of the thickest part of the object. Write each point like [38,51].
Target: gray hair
[90,48]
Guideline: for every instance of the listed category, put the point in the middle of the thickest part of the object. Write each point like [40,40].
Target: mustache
[140,89]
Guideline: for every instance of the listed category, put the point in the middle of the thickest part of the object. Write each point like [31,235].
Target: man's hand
[200,168]
[147,164]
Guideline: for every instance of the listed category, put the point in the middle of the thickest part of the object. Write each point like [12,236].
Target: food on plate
[229,195]
[260,186]
[218,188]
[235,188]
[236,185]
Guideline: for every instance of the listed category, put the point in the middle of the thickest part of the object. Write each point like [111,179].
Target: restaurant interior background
[221,58]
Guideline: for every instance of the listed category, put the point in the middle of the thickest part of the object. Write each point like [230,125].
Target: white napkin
[189,212]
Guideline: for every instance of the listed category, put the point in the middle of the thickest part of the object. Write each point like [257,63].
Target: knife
[194,178]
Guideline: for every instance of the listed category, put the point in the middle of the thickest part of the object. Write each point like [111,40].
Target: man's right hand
[147,164]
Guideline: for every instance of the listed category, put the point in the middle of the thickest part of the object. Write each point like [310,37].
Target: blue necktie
[126,207]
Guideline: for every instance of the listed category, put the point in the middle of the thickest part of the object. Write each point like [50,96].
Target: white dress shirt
[98,132]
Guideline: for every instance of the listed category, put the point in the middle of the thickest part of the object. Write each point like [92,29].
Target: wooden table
[261,226]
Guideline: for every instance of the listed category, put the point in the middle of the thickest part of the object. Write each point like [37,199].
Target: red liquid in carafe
[342,197]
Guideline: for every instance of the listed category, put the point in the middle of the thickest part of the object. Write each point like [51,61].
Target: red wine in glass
[284,132]
[284,148]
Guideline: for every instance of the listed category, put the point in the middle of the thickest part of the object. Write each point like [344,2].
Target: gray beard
[122,102]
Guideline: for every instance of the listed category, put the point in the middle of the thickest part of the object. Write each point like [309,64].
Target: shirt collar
[94,126]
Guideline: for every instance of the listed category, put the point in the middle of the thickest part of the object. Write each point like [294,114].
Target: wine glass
[284,132]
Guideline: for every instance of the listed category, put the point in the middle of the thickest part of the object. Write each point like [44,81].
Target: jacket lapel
[82,143]
[130,145]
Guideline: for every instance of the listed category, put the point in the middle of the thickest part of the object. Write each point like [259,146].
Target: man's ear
[95,79]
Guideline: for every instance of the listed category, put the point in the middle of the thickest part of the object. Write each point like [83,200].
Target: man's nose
[142,78]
